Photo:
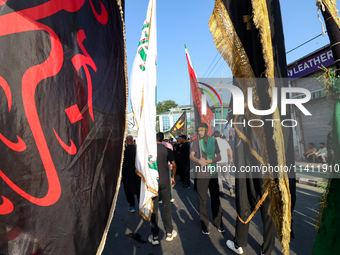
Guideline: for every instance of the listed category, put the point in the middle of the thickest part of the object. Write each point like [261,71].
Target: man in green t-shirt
[205,152]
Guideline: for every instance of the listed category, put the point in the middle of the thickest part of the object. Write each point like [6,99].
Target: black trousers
[130,197]
[241,231]
[203,184]
[186,172]
[164,191]
[179,170]
[310,158]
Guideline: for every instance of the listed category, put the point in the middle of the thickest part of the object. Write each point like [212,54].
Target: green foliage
[165,106]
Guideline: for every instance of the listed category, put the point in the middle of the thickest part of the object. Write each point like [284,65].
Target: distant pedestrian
[130,179]
[163,156]
[310,153]
[169,146]
[321,154]
[222,165]
[179,171]
[232,146]
[184,152]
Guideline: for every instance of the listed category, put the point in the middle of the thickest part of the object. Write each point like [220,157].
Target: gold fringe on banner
[259,203]
[281,214]
[113,206]
[229,45]
[247,141]
[150,189]
[260,159]
[331,6]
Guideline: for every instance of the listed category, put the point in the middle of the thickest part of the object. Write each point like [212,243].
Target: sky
[186,22]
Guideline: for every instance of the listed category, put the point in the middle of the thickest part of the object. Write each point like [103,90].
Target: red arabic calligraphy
[20,145]
[7,206]
[24,21]
[79,61]
[103,17]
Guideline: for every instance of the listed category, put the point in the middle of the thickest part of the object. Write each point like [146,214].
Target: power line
[219,69]
[211,64]
[185,100]
[221,66]
[304,43]
[215,65]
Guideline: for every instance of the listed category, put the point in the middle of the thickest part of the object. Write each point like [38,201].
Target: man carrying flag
[205,152]
[164,155]
[142,87]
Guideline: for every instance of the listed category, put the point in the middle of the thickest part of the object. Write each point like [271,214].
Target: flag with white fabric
[143,92]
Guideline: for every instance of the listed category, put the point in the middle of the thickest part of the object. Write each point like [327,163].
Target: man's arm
[311,153]
[174,167]
[318,152]
[230,153]
[201,161]
[323,152]
[214,160]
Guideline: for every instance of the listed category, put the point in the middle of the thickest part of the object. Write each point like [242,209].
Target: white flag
[142,92]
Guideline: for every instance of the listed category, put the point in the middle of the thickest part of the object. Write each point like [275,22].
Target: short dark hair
[217,133]
[160,137]
[203,125]
[129,138]
[183,137]
[323,144]
[311,144]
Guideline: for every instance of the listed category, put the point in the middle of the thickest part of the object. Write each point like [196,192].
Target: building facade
[306,73]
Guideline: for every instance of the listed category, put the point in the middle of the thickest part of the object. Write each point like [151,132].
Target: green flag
[327,240]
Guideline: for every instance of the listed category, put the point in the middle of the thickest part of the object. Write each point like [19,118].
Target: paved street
[129,232]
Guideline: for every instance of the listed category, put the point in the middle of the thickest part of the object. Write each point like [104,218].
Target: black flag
[63,103]
[249,35]
[180,126]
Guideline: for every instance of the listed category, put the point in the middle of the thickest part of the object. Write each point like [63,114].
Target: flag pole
[221,102]
[185,128]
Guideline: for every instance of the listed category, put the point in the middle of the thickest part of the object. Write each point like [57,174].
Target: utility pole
[221,125]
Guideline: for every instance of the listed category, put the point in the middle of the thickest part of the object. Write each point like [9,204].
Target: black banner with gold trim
[180,126]
[63,104]
[249,35]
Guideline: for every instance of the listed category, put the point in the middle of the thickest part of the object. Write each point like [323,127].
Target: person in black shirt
[177,147]
[184,152]
[164,155]
[130,179]
[206,153]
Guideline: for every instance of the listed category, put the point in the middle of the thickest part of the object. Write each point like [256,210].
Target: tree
[165,106]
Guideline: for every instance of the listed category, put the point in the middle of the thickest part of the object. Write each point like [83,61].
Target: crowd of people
[179,157]
[176,157]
